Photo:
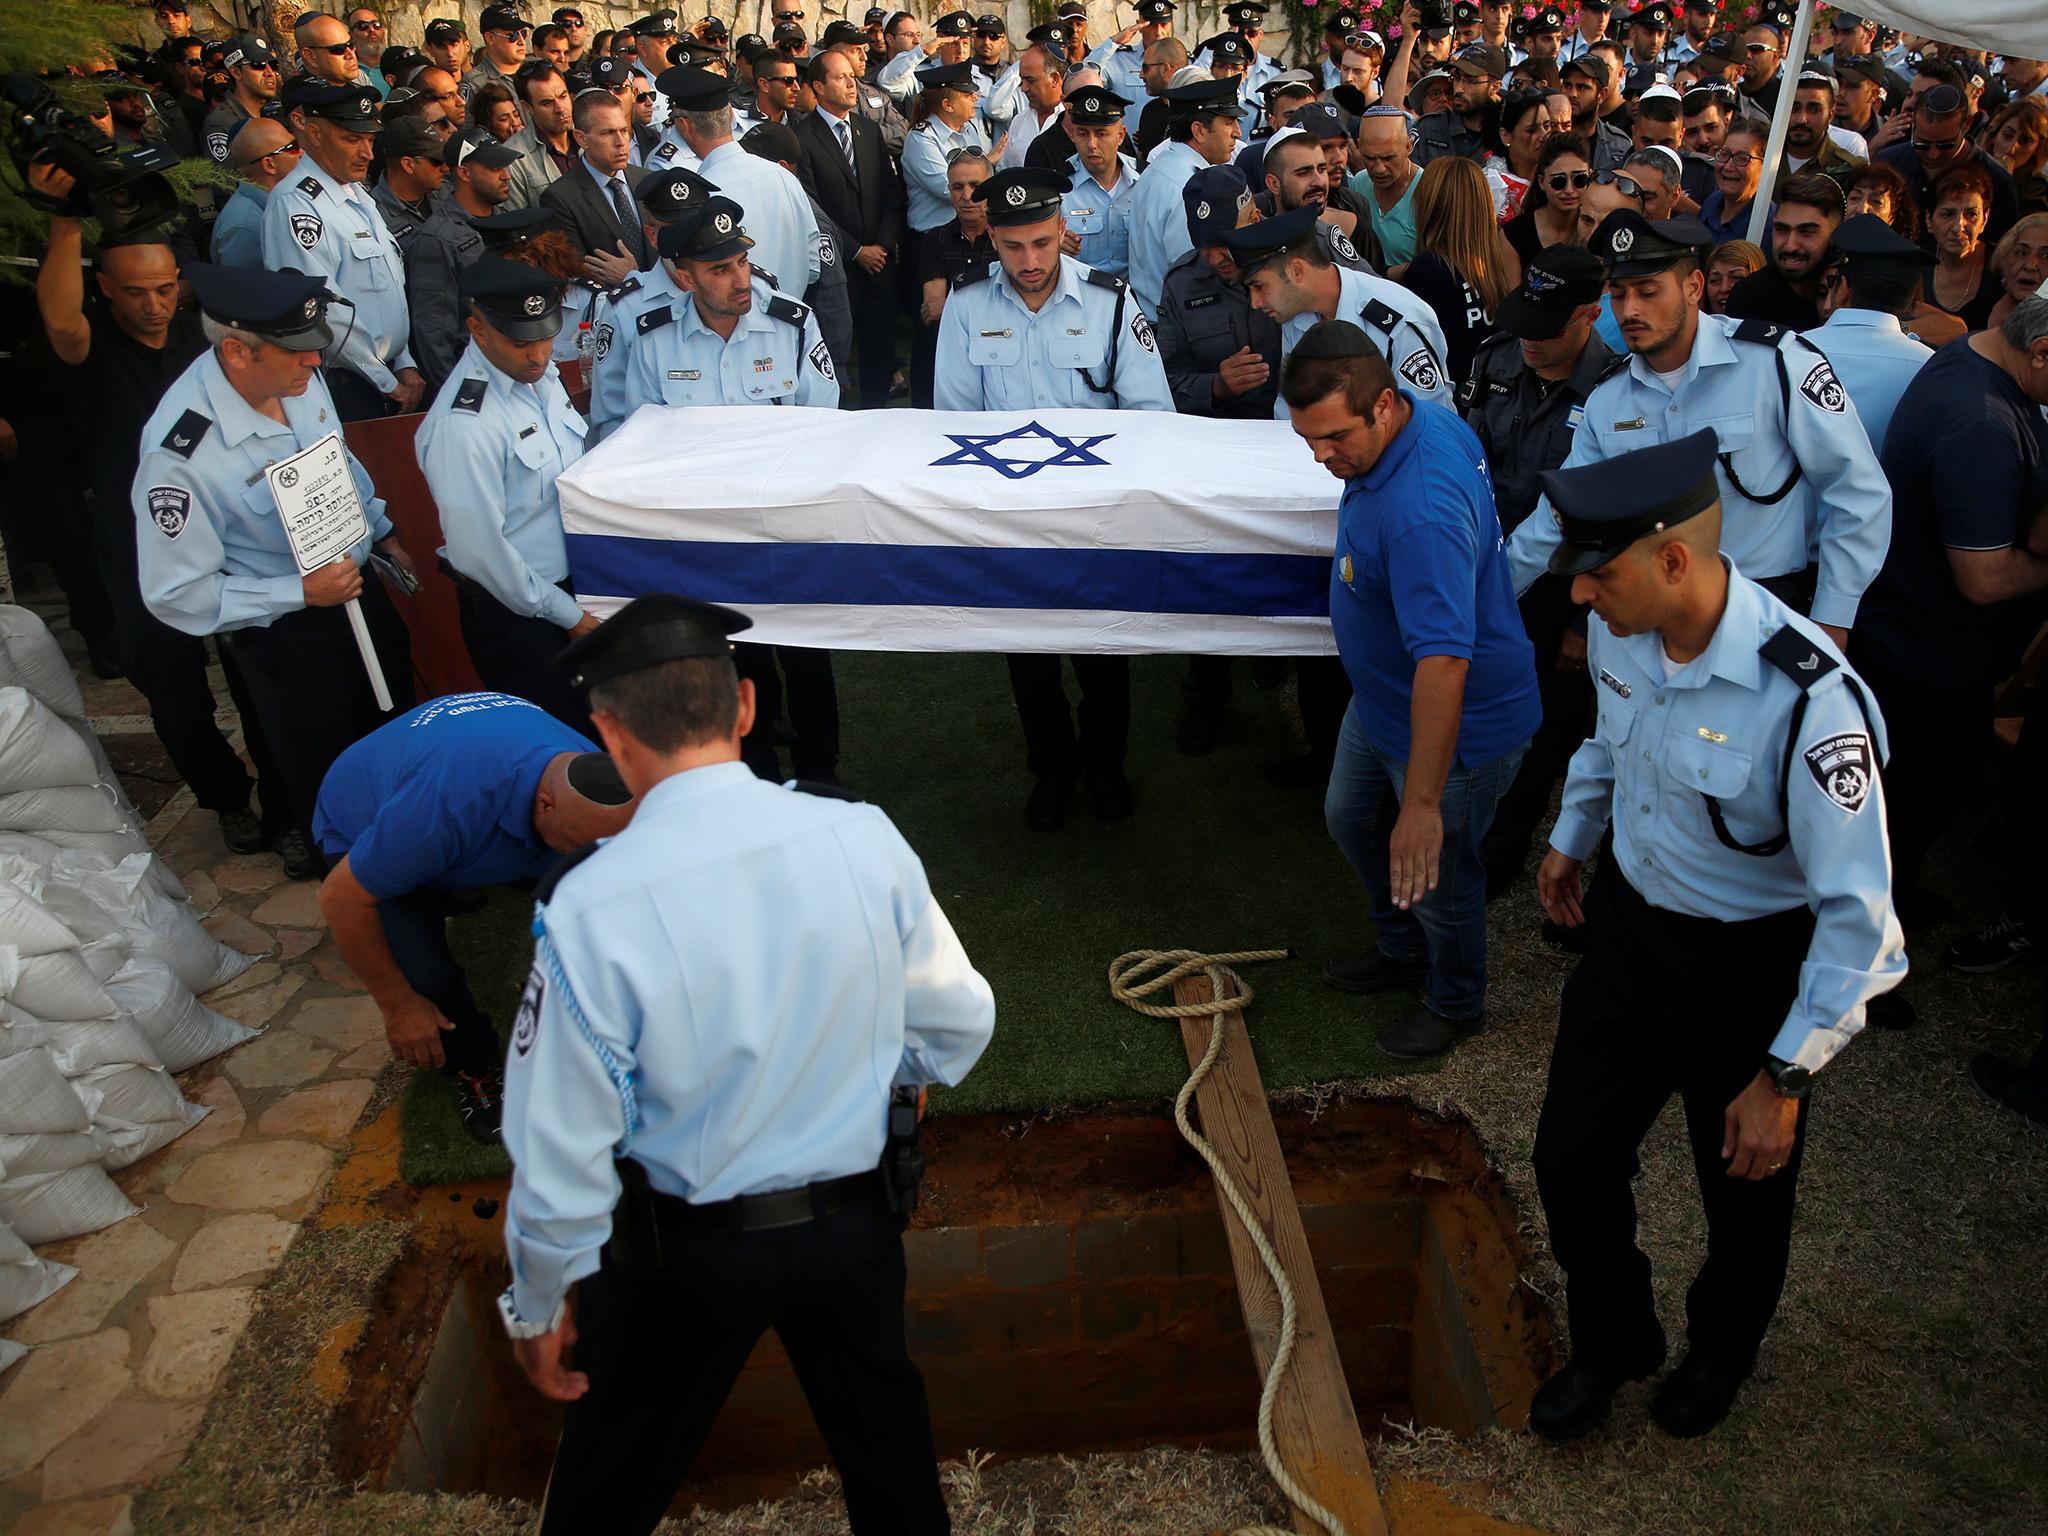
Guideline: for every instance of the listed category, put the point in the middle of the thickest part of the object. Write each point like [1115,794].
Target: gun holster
[635,1245]
[902,1155]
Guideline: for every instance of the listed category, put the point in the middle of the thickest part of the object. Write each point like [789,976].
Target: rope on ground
[1126,987]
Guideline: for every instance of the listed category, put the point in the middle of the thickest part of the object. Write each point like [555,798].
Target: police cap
[1055,35]
[666,195]
[1591,65]
[353,107]
[1319,120]
[1605,507]
[1869,247]
[1202,98]
[661,626]
[1864,66]
[1656,17]
[609,73]
[445,29]
[408,137]
[247,52]
[1245,13]
[1095,106]
[1345,19]
[708,232]
[1630,245]
[1466,13]
[1548,19]
[1215,198]
[875,16]
[1024,195]
[712,30]
[475,146]
[773,141]
[512,227]
[1072,10]
[660,24]
[286,307]
[1155,11]
[1229,48]
[841,34]
[954,24]
[787,34]
[1481,61]
[690,89]
[1256,244]
[397,63]
[502,18]
[952,77]
[1725,46]
[990,26]
[1288,82]
[1557,281]
[521,302]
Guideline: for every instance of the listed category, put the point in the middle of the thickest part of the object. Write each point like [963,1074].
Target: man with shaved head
[325,50]
[121,353]
[263,152]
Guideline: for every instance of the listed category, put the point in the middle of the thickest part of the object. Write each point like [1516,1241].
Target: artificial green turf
[1215,859]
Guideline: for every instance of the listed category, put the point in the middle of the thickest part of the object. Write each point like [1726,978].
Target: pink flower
[1749,12]
[1394,30]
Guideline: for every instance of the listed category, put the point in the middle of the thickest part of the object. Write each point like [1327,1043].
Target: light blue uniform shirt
[726,992]
[211,551]
[238,232]
[676,359]
[1102,218]
[996,355]
[1159,220]
[670,153]
[617,329]
[1875,360]
[1123,71]
[1002,98]
[778,215]
[924,169]
[1719,728]
[1842,505]
[315,224]
[491,451]
[1401,325]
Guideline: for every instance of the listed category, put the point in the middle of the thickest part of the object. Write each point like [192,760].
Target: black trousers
[1939,738]
[1052,748]
[1664,1004]
[307,682]
[1322,692]
[416,927]
[874,331]
[518,654]
[663,1340]
[355,397]
[798,679]
[1548,613]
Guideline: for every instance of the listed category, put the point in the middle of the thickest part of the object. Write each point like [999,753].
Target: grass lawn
[1215,859]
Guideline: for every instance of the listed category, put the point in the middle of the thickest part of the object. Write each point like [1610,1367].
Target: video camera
[1436,14]
[124,189]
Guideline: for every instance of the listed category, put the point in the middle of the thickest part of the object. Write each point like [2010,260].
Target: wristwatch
[1790,1079]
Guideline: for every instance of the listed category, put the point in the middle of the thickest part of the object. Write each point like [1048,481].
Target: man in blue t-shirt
[467,791]
[1443,678]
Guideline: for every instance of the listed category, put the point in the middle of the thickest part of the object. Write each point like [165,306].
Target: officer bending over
[725,1000]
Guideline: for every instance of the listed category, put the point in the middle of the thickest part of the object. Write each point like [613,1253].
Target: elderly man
[263,154]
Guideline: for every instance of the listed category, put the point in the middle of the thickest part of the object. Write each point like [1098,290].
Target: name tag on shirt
[685,373]
[1615,683]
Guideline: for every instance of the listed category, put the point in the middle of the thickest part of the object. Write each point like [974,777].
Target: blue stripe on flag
[908,575]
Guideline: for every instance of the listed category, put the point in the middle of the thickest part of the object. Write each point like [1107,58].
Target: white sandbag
[38,750]
[48,1207]
[11,1351]
[25,1280]
[58,986]
[27,924]
[114,847]
[93,902]
[38,661]
[80,1046]
[34,1097]
[51,1153]
[135,1110]
[182,1030]
[65,808]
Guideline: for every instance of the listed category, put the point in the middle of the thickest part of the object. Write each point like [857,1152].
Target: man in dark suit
[847,170]
[595,199]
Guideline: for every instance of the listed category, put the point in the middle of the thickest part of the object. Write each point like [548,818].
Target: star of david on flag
[973,448]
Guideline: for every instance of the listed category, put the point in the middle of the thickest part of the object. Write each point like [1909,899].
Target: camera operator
[120,356]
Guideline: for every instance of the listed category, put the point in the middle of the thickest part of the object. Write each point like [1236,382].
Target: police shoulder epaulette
[1798,657]
[788,311]
[1762,333]
[824,791]
[654,319]
[185,433]
[973,275]
[310,185]
[630,285]
[553,877]
[1380,316]
[471,396]
[1106,280]
[1615,364]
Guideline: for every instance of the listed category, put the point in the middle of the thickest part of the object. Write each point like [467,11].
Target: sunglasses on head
[1627,186]
[1557,181]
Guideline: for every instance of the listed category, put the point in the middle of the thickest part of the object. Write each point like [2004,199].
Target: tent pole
[1789,65]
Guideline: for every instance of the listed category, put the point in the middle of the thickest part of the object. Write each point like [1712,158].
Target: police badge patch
[821,358]
[604,340]
[1840,765]
[170,508]
[1823,388]
[306,229]
[217,146]
[1341,244]
[526,1022]
[1142,329]
[1419,369]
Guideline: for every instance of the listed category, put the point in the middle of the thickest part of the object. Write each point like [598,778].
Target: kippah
[595,777]
[1334,338]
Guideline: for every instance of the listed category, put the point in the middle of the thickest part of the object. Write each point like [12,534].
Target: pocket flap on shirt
[1711,769]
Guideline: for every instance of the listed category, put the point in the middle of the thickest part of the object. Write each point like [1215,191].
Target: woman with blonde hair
[2019,262]
[1728,264]
[1463,265]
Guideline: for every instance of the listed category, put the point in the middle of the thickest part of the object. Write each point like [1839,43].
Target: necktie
[846,145]
[629,221]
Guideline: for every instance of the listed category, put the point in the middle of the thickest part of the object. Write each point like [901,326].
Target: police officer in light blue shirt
[1098,206]
[663,196]
[1201,129]
[1797,472]
[903,76]
[711,1099]
[950,125]
[1293,279]
[323,220]
[1121,58]
[494,442]
[212,555]
[1740,926]
[1873,276]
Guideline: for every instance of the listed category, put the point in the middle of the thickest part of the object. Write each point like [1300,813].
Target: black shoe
[1046,810]
[105,660]
[1374,971]
[1110,793]
[1919,907]
[1697,1396]
[242,831]
[300,861]
[2011,1084]
[1311,770]
[1196,730]
[1577,1400]
[481,1102]
[1423,1034]
[1993,948]
[1890,1010]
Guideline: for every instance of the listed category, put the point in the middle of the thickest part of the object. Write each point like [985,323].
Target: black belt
[764,1213]
[441,562]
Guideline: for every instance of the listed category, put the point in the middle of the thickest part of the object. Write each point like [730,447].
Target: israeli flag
[1065,531]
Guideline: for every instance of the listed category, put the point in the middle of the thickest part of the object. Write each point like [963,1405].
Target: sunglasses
[789,15]
[337,49]
[1557,181]
[366,26]
[1935,146]
[776,79]
[288,147]
[1760,48]
[1627,186]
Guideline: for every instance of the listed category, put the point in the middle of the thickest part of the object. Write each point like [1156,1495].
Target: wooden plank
[1314,1423]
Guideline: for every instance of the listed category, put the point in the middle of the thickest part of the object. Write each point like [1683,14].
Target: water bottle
[586,347]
